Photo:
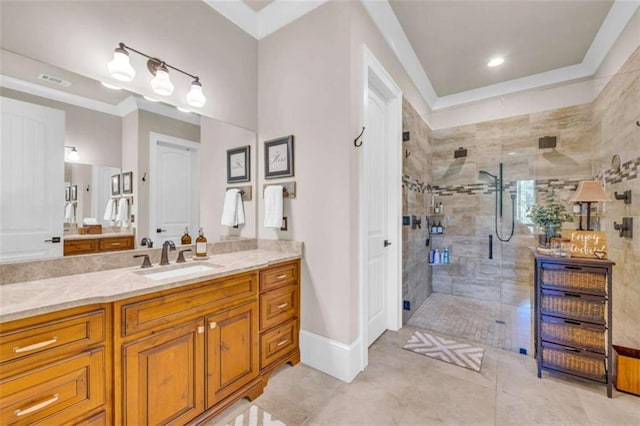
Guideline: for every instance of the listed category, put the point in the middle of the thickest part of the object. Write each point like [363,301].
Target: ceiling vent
[54,80]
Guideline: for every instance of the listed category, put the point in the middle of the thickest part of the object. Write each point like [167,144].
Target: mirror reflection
[150,146]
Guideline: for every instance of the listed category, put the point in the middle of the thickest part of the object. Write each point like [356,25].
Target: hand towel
[123,211]
[110,211]
[273,206]
[233,209]
[69,212]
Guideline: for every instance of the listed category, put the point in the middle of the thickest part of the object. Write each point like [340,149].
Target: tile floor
[402,388]
[490,323]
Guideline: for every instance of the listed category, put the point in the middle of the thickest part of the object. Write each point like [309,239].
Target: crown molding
[128,105]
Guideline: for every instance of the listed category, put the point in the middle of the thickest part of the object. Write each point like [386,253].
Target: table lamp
[589,191]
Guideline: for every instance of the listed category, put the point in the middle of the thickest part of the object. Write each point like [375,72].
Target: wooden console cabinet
[177,356]
[573,317]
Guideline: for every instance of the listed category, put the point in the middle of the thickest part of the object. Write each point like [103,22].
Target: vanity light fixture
[494,62]
[73,154]
[121,69]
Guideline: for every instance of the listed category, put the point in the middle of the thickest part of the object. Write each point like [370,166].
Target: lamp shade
[161,84]
[120,67]
[590,191]
[73,154]
[195,97]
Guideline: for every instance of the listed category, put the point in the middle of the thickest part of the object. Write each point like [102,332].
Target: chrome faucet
[166,247]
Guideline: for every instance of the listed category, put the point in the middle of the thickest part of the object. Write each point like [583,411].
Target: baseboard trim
[330,356]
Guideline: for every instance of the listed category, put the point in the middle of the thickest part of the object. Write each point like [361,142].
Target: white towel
[110,211]
[273,206]
[123,211]
[69,212]
[89,221]
[233,210]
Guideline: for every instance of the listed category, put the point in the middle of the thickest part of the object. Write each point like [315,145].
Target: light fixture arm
[156,62]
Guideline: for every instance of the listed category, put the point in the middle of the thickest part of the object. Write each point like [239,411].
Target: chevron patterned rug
[255,416]
[447,350]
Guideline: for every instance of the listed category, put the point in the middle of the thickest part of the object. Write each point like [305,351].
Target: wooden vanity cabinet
[56,368]
[97,245]
[187,350]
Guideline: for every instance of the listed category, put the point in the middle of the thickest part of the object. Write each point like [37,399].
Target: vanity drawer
[278,276]
[575,361]
[61,392]
[152,313]
[581,307]
[80,246]
[278,342]
[574,278]
[62,335]
[278,306]
[116,243]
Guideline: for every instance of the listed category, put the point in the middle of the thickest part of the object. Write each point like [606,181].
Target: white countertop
[26,299]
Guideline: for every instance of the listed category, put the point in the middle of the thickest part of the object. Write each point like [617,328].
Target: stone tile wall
[615,131]
[416,276]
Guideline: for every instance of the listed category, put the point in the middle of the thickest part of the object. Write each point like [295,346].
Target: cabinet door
[164,376]
[232,351]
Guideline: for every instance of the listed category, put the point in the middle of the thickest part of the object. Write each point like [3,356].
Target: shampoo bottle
[201,245]
[436,256]
[445,256]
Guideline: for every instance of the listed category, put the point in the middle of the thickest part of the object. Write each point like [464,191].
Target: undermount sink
[178,271]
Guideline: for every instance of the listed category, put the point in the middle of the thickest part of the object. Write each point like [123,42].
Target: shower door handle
[387,243]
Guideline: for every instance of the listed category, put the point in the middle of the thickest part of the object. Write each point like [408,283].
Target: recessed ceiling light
[149,99]
[110,86]
[183,109]
[494,62]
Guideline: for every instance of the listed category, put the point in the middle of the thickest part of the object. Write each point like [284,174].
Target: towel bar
[289,188]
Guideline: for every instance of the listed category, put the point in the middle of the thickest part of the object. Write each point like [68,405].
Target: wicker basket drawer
[574,361]
[573,333]
[576,306]
[574,278]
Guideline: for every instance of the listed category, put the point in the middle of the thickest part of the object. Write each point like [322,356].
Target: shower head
[489,174]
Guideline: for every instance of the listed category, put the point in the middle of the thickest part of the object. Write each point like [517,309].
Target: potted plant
[548,218]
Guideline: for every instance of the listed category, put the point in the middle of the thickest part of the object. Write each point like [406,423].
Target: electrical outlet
[406,305]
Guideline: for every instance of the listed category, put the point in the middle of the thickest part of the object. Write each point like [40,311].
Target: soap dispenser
[201,245]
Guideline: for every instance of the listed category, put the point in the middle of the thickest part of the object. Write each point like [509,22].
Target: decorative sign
[588,244]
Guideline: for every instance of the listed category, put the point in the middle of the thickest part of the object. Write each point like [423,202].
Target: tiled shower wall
[416,277]
[615,113]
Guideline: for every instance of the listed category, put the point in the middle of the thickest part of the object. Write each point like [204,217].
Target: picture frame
[278,158]
[239,164]
[127,183]
[67,193]
[74,193]
[115,185]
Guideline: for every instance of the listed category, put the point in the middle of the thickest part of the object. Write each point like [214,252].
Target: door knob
[53,240]
[159,230]
[387,243]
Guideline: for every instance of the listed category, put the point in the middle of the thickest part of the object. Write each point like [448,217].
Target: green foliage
[552,212]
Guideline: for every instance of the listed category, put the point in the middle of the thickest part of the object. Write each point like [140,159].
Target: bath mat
[255,416]
[447,350]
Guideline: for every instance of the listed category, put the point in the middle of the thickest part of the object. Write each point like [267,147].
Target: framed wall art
[278,158]
[115,185]
[127,183]
[239,164]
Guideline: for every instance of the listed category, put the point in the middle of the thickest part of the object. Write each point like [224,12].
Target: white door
[375,193]
[175,204]
[31,181]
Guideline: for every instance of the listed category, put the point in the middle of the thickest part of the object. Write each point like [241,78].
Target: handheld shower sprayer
[498,182]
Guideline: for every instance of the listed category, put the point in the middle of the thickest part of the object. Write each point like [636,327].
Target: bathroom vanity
[136,350]
[573,317]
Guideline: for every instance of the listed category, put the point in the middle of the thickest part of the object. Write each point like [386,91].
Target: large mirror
[169,177]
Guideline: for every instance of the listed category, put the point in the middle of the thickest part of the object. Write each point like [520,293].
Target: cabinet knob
[36,407]
[281,277]
[212,325]
[200,329]
[35,345]
[283,305]
[282,343]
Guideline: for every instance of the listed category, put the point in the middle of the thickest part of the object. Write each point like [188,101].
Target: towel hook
[355,141]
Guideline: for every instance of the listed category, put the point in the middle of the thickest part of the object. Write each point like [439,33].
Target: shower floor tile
[490,323]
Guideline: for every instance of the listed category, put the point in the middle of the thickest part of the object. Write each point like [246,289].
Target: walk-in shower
[499,187]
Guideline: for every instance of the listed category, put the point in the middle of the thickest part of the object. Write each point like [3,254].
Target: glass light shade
[590,191]
[161,83]
[195,97]
[120,67]
[73,155]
